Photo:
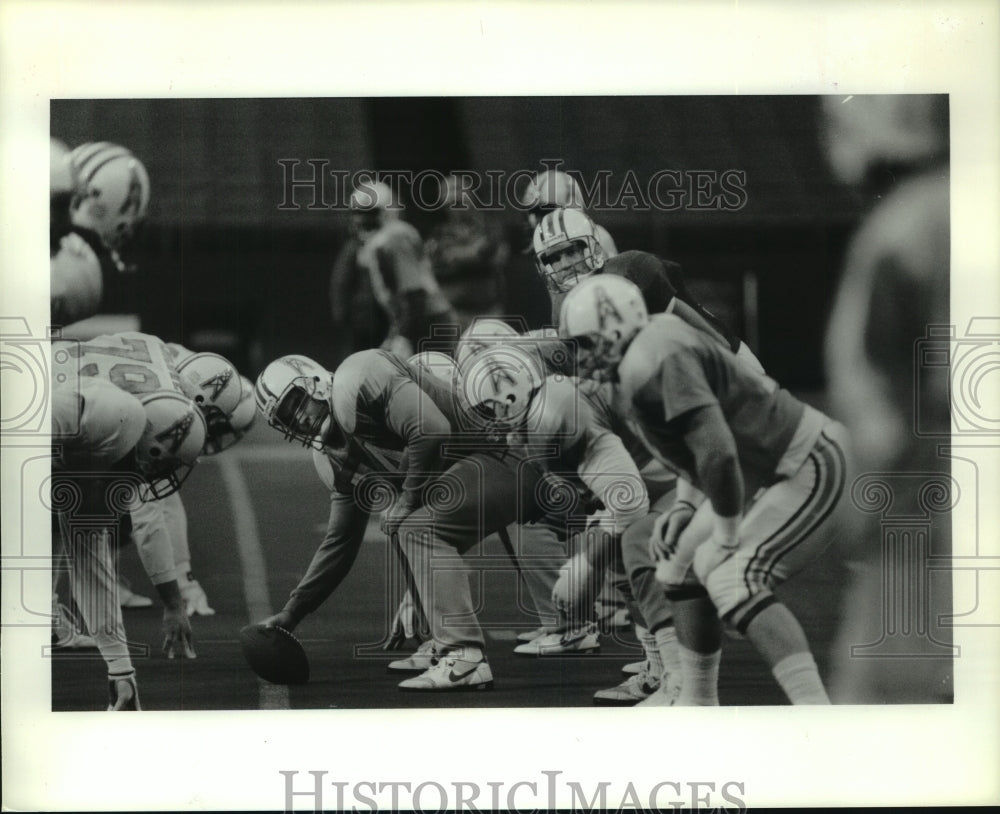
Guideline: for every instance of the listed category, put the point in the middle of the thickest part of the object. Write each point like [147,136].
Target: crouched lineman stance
[378,422]
[772,470]
[113,448]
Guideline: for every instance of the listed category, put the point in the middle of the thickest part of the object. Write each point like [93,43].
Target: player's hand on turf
[282,619]
[573,586]
[178,641]
[406,625]
[663,543]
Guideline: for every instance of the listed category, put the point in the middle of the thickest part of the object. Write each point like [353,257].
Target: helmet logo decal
[177,432]
[499,375]
[606,309]
[133,199]
[297,365]
[217,383]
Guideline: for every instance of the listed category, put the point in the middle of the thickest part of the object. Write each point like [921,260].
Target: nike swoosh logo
[453,676]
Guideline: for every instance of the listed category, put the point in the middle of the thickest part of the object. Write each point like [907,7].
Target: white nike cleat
[464,668]
[195,599]
[630,692]
[123,694]
[531,635]
[634,668]
[422,659]
[582,640]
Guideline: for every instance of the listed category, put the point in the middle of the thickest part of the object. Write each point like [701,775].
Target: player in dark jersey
[568,250]
[765,473]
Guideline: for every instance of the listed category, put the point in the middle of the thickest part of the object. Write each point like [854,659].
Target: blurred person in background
[385,257]
[467,260]
[895,284]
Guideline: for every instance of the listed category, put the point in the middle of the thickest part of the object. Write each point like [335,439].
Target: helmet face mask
[566,249]
[293,394]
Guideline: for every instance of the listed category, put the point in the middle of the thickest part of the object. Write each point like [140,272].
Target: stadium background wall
[225,267]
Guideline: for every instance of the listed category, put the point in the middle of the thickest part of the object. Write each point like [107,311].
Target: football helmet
[173,439]
[434,363]
[602,315]
[482,333]
[294,394]
[212,383]
[113,191]
[498,385]
[372,206]
[550,190]
[567,249]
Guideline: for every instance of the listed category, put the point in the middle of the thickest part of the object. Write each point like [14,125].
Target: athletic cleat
[582,640]
[67,631]
[630,692]
[195,599]
[635,667]
[666,696]
[123,694]
[531,635]
[423,659]
[464,668]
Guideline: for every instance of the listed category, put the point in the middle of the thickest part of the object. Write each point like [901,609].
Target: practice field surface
[257,512]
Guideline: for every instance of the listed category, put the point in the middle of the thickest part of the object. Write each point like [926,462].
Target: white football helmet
[372,206]
[567,249]
[434,363]
[113,192]
[294,394]
[212,383]
[482,333]
[499,383]
[602,315]
[549,190]
[173,439]
[224,430]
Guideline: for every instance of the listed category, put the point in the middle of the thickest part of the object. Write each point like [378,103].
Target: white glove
[407,624]
[574,585]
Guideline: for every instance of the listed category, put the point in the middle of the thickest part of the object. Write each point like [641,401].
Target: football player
[377,421]
[140,363]
[112,449]
[554,189]
[761,474]
[388,254]
[108,202]
[598,451]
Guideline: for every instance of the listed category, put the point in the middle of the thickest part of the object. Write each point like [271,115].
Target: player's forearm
[716,461]
[611,474]
[170,593]
[151,536]
[332,561]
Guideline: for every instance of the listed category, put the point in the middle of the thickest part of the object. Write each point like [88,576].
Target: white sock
[651,650]
[799,678]
[667,647]
[699,677]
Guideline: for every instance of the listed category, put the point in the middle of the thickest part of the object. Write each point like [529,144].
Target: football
[274,654]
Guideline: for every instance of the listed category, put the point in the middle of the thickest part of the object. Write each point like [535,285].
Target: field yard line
[258,597]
